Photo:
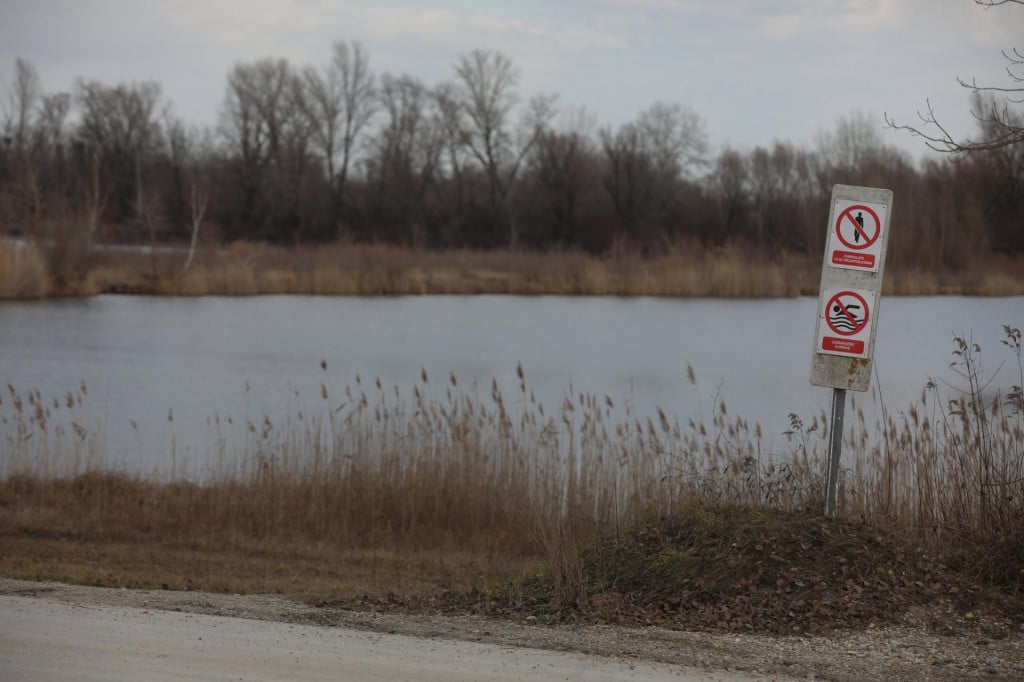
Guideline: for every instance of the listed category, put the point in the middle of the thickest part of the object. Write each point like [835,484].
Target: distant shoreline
[28,271]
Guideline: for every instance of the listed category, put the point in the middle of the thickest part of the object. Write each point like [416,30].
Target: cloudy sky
[756,71]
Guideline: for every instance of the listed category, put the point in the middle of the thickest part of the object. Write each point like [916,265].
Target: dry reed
[22,271]
[689,270]
[374,469]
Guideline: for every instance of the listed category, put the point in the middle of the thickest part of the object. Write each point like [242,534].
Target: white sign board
[851,287]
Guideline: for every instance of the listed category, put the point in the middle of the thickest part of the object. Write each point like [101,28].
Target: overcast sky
[756,71]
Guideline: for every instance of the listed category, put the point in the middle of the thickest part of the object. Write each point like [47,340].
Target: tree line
[338,152]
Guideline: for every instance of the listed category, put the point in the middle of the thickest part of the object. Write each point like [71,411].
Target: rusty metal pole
[835,450]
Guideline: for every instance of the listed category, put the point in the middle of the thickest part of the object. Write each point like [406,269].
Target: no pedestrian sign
[855,240]
[847,316]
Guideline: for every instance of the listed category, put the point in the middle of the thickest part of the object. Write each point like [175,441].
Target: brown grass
[245,568]
[22,272]
[377,270]
[689,270]
[478,488]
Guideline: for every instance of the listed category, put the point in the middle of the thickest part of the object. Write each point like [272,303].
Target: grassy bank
[444,490]
[251,269]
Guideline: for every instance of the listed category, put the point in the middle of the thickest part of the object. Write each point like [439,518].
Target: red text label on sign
[854,260]
[851,346]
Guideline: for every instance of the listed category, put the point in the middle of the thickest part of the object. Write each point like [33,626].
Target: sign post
[851,289]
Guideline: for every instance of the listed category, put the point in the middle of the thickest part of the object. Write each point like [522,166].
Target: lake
[157,368]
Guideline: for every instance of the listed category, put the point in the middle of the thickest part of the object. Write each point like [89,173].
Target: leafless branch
[987,4]
[1000,126]
[943,141]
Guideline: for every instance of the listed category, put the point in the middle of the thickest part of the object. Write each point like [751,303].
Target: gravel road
[52,631]
[42,638]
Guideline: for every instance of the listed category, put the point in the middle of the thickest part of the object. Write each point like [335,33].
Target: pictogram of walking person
[860,221]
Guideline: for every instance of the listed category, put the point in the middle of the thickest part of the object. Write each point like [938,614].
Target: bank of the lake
[243,269]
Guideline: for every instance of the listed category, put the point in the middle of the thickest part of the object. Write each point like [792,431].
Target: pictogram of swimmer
[848,319]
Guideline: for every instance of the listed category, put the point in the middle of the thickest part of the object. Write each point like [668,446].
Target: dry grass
[493,485]
[378,270]
[245,568]
[994,275]
[447,477]
[22,271]
[689,270]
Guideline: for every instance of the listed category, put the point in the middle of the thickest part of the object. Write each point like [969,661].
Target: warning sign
[847,315]
[856,246]
[855,239]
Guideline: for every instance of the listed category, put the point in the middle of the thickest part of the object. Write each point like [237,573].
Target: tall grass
[442,467]
[687,270]
[383,270]
[23,271]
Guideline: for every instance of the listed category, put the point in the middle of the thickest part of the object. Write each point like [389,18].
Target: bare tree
[854,142]
[17,164]
[563,164]
[675,138]
[992,106]
[488,81]
[729,185]
[339,103]
[406,152]
[97,192]
[45,165]
[256,107]
[52,120]
[263,122]
[191,156]
[629,176]
[22,96]
[451,128]
[646,160]
[487,95]
[120,124]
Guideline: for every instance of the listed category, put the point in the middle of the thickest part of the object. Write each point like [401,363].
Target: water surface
[157,367]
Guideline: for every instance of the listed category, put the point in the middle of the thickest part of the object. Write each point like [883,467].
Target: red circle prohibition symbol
[868,240]
[835,305]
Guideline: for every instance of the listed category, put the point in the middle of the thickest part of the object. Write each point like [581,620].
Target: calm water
[145,358]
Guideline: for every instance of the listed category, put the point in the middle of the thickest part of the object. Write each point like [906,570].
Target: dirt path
[50,631]
[48,639]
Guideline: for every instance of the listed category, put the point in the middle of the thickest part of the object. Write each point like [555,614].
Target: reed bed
[23,273]
[440,467]
[384,270]
[245,269]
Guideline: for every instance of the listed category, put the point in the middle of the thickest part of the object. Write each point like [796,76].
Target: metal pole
[835,450]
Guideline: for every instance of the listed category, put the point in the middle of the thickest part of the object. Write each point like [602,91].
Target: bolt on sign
[851,287]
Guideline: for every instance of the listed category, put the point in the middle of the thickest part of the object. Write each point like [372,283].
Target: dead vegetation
[245,269]
[742,569]
[609,515]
